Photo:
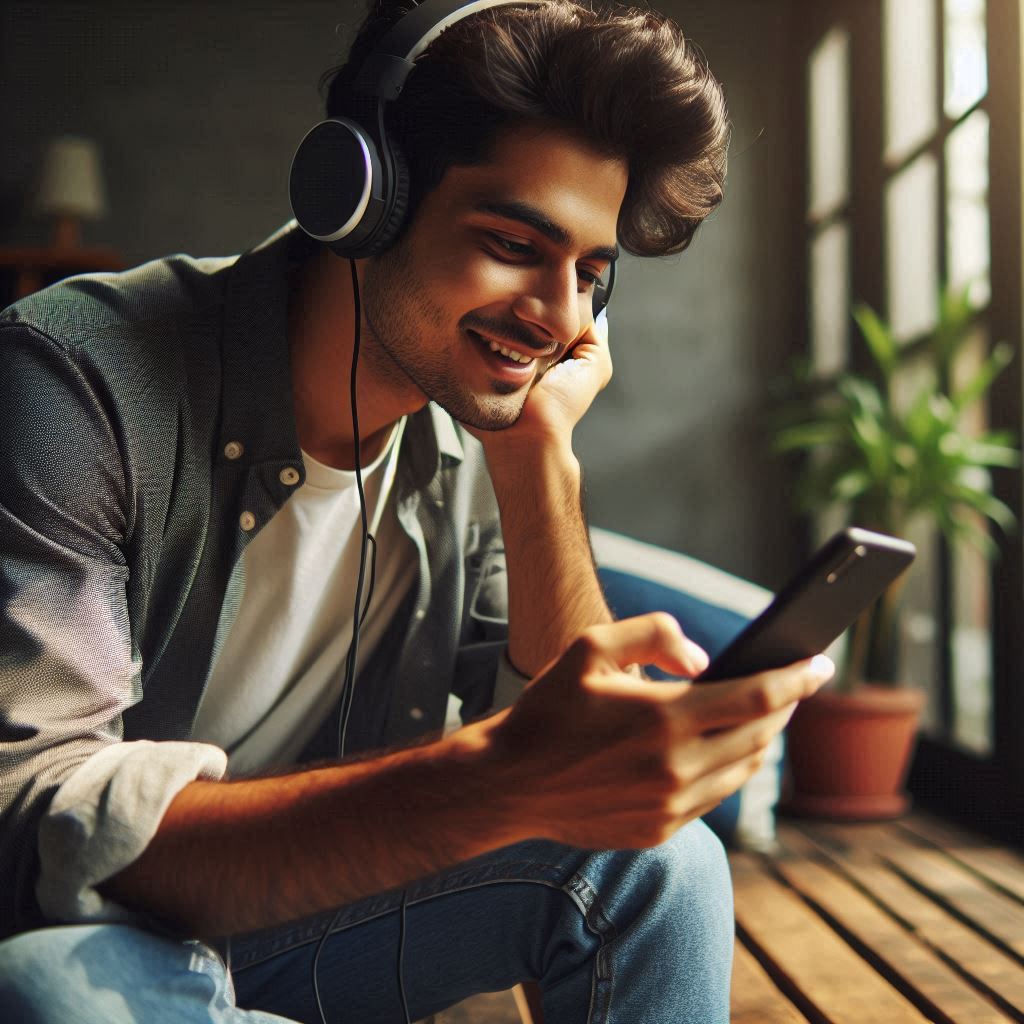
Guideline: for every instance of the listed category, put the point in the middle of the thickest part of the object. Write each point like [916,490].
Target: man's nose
[552,306]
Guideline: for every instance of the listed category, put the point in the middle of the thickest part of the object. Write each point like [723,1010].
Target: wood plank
[964,949]
[913,967]
[833,982]
[492,1007]
[999,866]
[755,999]
[996,915]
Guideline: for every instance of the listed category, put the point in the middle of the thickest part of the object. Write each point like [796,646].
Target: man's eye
[589,276]
[513,248]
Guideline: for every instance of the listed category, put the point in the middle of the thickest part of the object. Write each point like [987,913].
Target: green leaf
[1000,357]
[879,339]
[963,529]
[851,485]
[985,453]
[920,420]
[986,503]
[955,312]
[808,436]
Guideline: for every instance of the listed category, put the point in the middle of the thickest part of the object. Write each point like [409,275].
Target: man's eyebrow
[513,209]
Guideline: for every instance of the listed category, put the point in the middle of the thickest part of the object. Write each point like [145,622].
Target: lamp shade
[71,183]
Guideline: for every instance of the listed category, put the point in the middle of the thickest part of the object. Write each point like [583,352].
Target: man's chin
[487,417]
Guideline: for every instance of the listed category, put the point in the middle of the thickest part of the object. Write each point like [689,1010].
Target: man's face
[499,256]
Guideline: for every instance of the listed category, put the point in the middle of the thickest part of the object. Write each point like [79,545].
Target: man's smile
[517,352]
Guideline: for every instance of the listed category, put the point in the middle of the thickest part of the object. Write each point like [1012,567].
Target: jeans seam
[583,894]
[304,941]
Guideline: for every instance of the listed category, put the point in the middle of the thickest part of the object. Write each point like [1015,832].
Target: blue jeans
[633,937]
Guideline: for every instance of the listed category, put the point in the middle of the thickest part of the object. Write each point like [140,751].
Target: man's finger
[729,703]
[652,639]
[727,746]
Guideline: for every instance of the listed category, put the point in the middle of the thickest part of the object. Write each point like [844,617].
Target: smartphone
[817,605]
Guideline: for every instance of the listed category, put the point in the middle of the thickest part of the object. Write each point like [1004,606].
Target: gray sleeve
[69,657]
[485,678]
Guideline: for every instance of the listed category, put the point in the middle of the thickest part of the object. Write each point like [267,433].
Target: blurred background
[876,154]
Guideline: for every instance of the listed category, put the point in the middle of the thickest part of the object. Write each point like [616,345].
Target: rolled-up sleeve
[104,815]
[69,663]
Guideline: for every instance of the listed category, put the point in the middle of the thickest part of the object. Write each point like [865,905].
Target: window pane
[829,123]
[910,88]
[919,663]
[966,59]
[972,649]
[972,621]
[967,206]
[830,298]
[911,245]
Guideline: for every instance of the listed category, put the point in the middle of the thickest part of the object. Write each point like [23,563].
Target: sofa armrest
[672,569]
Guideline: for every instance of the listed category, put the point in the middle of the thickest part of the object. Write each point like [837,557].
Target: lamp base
[67,232]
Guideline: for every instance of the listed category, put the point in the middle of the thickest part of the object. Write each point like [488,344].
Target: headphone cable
[358,618]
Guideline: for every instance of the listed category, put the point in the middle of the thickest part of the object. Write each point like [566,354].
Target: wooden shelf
[26,268]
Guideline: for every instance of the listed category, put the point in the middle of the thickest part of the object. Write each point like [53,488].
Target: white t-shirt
[281,667]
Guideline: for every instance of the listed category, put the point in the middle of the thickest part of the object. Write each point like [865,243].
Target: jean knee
[682,885]
[107,974]
[29,964]
[697,870]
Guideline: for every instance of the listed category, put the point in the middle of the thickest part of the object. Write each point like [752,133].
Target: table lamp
[71,187]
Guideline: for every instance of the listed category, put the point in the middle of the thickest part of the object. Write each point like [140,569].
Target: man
[183,507]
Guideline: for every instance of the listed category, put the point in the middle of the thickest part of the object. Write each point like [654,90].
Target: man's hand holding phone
[594,757]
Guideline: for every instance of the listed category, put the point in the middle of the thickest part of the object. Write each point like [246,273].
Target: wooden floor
[910,921]
[866,924]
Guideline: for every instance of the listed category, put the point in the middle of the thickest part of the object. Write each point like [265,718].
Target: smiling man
[224,792]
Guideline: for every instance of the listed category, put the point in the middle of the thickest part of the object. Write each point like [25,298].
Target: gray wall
[198,108]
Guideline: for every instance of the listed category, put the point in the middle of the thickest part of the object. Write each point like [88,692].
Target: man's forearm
[234,856]
[553,591]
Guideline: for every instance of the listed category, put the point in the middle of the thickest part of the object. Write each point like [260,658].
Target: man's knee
[99,973]
[683,883]
[31,986]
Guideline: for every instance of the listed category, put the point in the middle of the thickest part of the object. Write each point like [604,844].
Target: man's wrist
[527,469]
[477,749]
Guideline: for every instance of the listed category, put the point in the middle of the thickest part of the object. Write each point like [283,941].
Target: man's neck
[321,332]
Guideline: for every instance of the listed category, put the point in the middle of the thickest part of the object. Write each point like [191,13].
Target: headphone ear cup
[334,181]
[391,228]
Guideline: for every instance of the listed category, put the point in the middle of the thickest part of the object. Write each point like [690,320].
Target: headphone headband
[383,73]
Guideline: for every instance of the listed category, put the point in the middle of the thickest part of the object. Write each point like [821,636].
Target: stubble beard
[398,314]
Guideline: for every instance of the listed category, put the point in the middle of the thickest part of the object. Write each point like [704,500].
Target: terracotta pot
[849,753]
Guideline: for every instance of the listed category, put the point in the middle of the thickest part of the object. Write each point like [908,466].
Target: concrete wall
[198,108]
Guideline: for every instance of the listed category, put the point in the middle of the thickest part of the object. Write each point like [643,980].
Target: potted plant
[894,450]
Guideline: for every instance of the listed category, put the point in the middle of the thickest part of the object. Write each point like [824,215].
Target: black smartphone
[817,605]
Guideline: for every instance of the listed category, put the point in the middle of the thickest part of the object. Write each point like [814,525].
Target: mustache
[505,330]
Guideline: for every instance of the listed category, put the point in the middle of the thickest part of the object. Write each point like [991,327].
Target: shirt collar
[257,401]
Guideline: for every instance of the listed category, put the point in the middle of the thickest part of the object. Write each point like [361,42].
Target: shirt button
[416,713]
[233,450]
[421,613]
[247,521]
[439,502]
[289,476]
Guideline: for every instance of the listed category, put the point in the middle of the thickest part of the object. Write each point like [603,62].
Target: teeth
[509,354]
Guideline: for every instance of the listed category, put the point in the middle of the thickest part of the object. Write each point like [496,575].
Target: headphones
[349,181]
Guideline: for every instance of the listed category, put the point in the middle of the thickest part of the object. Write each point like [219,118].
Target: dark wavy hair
[627,82]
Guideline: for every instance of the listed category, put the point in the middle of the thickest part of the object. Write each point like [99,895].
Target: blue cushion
[706,624]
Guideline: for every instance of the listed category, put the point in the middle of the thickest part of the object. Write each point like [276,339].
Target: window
[914,137]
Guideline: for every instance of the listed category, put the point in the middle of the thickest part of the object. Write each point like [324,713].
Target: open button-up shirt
[148,434]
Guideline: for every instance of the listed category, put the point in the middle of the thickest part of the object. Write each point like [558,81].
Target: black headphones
[349,182]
